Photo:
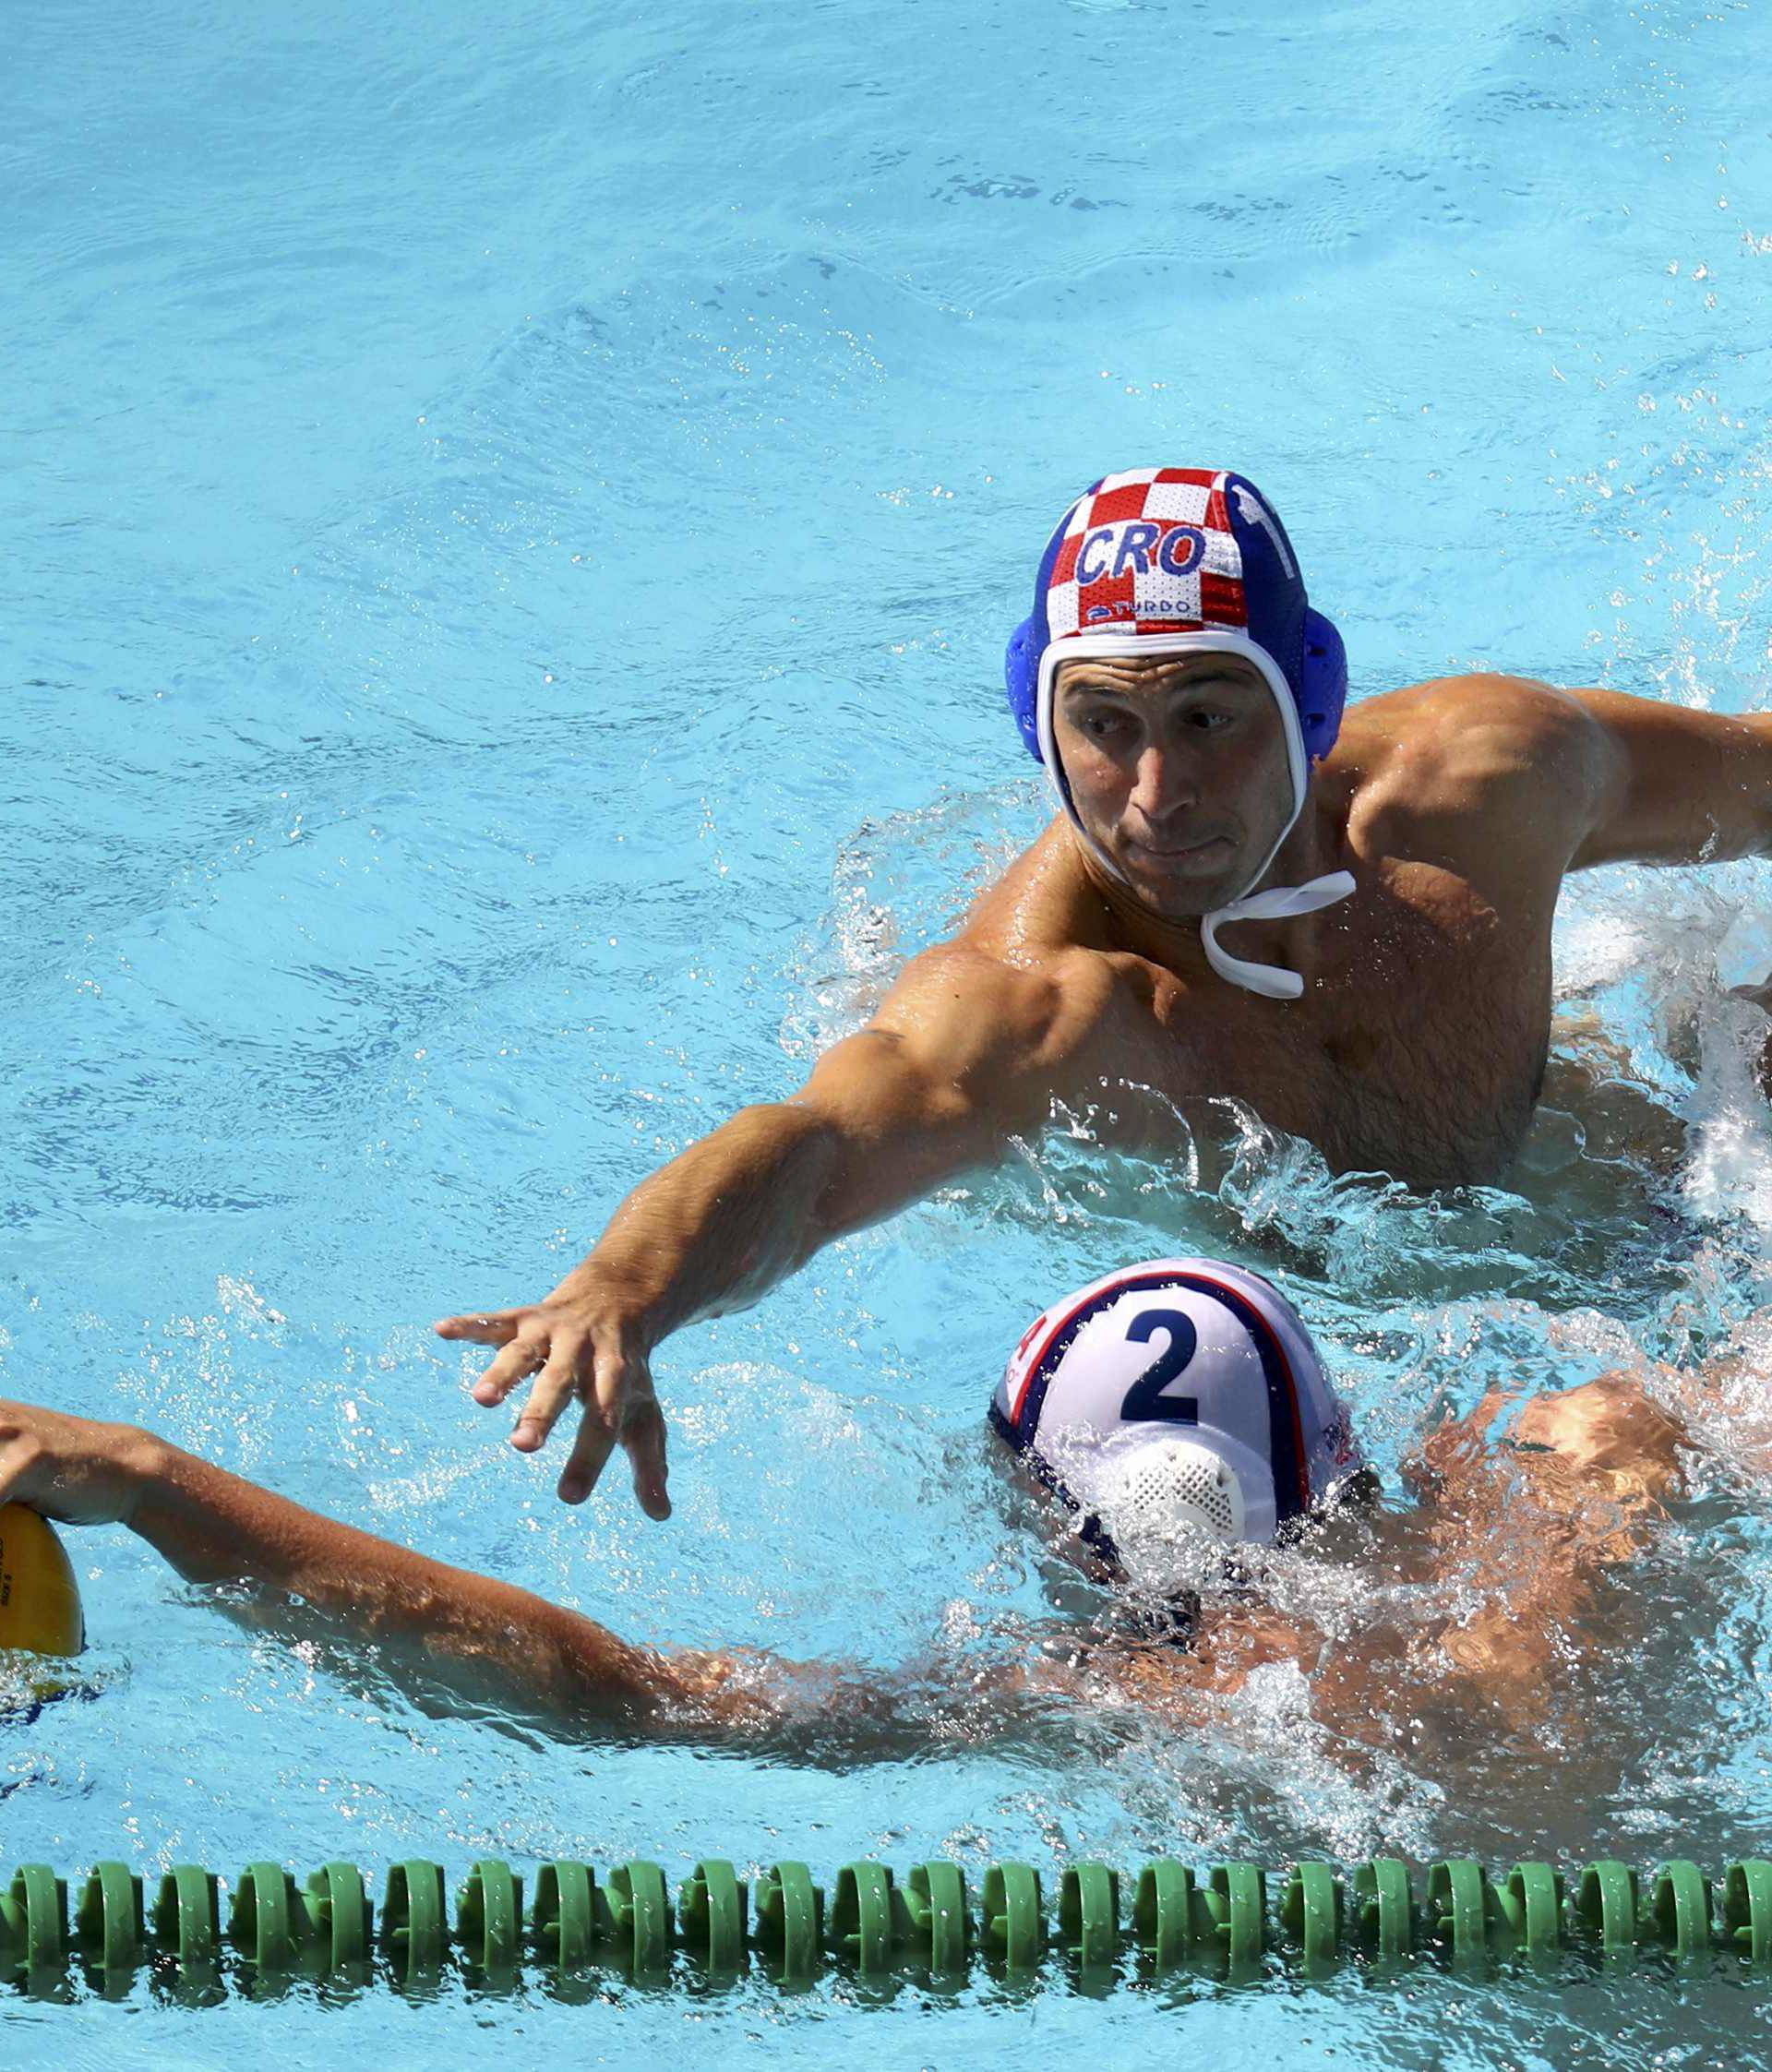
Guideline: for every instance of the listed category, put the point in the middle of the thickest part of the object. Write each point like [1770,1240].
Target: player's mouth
[1185,859]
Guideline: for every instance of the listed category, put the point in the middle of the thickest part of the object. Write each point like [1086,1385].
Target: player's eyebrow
[1106,687]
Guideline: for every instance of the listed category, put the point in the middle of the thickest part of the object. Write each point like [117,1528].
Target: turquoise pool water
[512,521]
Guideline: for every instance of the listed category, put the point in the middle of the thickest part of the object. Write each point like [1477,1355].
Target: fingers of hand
[496,1327]
[616,1388]
[521,1358]
[556,1386]
[617,1377]
[642,1434]
[585,1464]
[613,1375]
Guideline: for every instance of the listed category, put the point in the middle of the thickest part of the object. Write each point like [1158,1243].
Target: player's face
[1178,768]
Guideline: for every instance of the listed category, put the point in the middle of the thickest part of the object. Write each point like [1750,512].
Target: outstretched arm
[445,1633]
[965,1052]
[1673,785]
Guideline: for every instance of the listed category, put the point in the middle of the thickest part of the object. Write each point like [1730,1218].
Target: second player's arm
[447,1636]
[966,1052]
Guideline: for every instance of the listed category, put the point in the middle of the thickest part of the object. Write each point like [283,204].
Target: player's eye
[1105,726]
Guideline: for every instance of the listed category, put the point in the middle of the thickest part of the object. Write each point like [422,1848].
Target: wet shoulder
[1042,906]
[1432,772]
[1046,919]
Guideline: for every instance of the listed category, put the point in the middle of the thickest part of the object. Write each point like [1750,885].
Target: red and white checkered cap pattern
[1134,593]
[1149,597]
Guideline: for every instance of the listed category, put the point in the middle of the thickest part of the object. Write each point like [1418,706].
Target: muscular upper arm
[1675,785]
[966,1043]
[966,1052]
[1563,780]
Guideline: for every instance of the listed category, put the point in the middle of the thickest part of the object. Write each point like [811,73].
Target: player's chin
[1183,886]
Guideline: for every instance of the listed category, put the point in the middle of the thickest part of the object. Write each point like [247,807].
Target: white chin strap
[1278,903]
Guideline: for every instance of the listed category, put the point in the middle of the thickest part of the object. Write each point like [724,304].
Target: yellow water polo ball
[40,1601]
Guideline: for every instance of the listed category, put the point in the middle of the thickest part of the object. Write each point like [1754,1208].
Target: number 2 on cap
[1145,1401]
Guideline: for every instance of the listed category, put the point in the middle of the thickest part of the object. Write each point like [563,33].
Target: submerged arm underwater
[1519,1534]
[1505,1554]
[453,1639]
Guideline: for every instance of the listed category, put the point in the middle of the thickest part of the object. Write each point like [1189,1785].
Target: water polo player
[1342,921]
[1174,1408]
[1180,1409]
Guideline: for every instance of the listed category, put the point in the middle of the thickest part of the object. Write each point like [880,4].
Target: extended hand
[576,1346]
[71,1469]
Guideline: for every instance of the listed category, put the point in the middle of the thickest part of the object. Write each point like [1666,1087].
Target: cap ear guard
[1020,684]
[1324,691]
[1022,658]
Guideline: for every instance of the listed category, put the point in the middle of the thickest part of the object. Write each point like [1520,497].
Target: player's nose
[1166,782]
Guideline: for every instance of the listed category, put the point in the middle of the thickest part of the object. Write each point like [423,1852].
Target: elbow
[797,1133]
[592,1678]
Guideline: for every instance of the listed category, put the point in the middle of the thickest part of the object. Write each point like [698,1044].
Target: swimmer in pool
[1344,923]
[1173,1419]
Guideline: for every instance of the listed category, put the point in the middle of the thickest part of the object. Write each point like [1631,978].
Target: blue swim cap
[1160,560]
[1168,561]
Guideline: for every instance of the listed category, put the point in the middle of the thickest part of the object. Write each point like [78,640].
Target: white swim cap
[1178,1406]
[1166,1508]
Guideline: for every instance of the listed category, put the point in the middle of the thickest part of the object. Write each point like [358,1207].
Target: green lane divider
[1233,1922]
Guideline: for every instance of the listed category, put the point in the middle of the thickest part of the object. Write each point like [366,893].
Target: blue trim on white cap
[1285,1403]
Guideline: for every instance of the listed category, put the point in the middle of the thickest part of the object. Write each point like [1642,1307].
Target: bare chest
[1418,1047]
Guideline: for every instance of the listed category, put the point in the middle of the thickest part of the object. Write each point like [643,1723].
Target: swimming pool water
[512,521]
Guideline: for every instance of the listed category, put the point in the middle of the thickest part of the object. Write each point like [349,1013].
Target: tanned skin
[1514,1541]
[1417,1046]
